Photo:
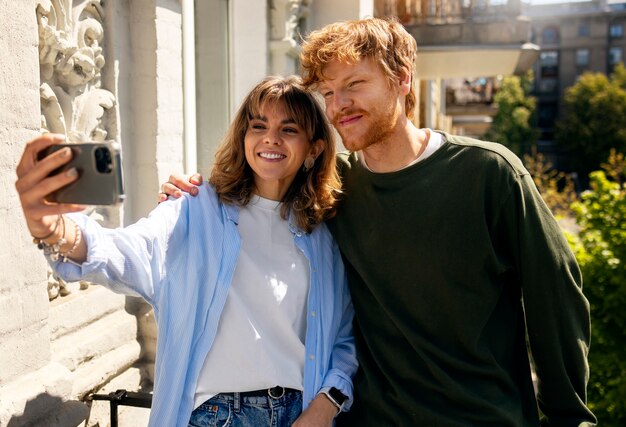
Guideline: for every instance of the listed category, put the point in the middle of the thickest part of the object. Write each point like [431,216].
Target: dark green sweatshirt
[449,261]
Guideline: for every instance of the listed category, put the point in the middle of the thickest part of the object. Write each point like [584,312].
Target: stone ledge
[51,396]
[94,340]
[68,314]
[99,371]
[128,416]
[39,399]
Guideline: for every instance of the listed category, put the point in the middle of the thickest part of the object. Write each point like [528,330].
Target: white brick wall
[24,343]
[51,354]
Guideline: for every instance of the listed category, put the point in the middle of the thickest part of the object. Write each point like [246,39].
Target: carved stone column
[73,102]
[70,55]
[288,25]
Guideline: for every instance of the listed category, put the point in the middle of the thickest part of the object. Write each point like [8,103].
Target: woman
[248,288]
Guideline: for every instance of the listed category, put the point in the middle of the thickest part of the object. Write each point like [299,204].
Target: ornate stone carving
[296,11]
[71,60]
[287,26]
[70,56]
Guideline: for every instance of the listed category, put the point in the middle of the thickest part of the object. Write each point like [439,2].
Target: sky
[561,1]
[550,1]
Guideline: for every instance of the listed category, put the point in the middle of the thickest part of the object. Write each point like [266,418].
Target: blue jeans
[235,410]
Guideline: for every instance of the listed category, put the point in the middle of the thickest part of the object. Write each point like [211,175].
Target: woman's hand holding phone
[34,184]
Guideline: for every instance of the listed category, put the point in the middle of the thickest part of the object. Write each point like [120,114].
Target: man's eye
[290,130]
[327,94]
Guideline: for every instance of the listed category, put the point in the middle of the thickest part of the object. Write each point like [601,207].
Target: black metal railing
[123,398]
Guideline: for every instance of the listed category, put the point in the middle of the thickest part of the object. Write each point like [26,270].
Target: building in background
[163,78]
[574,37]
[463,46]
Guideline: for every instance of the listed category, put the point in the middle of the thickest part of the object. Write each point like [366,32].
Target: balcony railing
[441,12]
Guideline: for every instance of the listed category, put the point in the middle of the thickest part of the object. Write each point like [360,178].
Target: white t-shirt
[260,337]
[435,140]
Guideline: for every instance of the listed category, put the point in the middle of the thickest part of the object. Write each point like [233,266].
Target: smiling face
[275,148]
[362,103]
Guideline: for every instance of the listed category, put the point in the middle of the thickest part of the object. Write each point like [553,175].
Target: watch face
[337,395]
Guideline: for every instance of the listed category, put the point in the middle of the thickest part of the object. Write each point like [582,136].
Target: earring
[308,163]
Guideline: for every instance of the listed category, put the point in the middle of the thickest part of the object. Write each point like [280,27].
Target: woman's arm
[343,362]
[46,223]
[129,260]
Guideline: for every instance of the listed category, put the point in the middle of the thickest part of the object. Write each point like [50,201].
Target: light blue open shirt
[181,259]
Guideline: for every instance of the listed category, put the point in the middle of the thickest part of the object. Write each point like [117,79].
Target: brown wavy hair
[383,39]
[312,196]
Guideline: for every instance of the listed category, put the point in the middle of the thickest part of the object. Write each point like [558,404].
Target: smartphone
[99,166]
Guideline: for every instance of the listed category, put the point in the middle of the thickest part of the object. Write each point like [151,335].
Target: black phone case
[93,187]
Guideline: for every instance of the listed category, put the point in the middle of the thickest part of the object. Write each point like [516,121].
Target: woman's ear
[317,148]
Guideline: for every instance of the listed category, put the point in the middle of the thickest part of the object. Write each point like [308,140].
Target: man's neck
[397,151]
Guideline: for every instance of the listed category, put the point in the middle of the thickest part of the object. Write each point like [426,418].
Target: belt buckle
[270,390]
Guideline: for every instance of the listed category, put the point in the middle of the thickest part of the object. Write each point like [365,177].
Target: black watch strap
[336,397]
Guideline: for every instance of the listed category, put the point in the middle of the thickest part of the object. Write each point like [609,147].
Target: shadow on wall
[47,410]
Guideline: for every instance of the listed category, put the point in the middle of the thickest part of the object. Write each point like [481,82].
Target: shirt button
[313,313]
[311,357]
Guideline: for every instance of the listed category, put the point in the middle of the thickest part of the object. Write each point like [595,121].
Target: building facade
[162,78]
[463,47]
[574,37]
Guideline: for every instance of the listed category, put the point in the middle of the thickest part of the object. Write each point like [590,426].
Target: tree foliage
[556,187]
[512,124]
[595,113]
[600,248]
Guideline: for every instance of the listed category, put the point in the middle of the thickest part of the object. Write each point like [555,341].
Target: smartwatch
[336,397]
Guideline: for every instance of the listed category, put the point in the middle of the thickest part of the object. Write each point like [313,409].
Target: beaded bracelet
[77,236]
[53,250]
[39,240]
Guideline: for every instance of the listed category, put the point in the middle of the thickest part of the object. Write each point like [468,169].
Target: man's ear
[405,78]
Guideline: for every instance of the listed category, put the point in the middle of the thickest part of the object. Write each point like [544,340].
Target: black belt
[274,392]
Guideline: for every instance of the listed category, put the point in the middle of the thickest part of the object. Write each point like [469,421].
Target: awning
[435,62]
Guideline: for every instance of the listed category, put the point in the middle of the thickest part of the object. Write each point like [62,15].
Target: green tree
[556,187]
[600,248]
[512,124]
[595,113]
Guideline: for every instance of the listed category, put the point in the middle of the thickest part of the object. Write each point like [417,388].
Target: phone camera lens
[104,163]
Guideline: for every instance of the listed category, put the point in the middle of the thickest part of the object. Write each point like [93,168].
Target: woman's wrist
[62,241]
[51,235]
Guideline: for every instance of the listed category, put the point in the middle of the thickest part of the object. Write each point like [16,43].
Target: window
[583,30]
[546,113]
[615,56]
[548,86]
[550,35]
[616,30]
[549,64]
[582,57]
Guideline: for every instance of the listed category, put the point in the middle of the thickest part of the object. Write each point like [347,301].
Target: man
[457,269]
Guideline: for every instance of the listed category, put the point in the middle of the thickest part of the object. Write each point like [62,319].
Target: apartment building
[574,37]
